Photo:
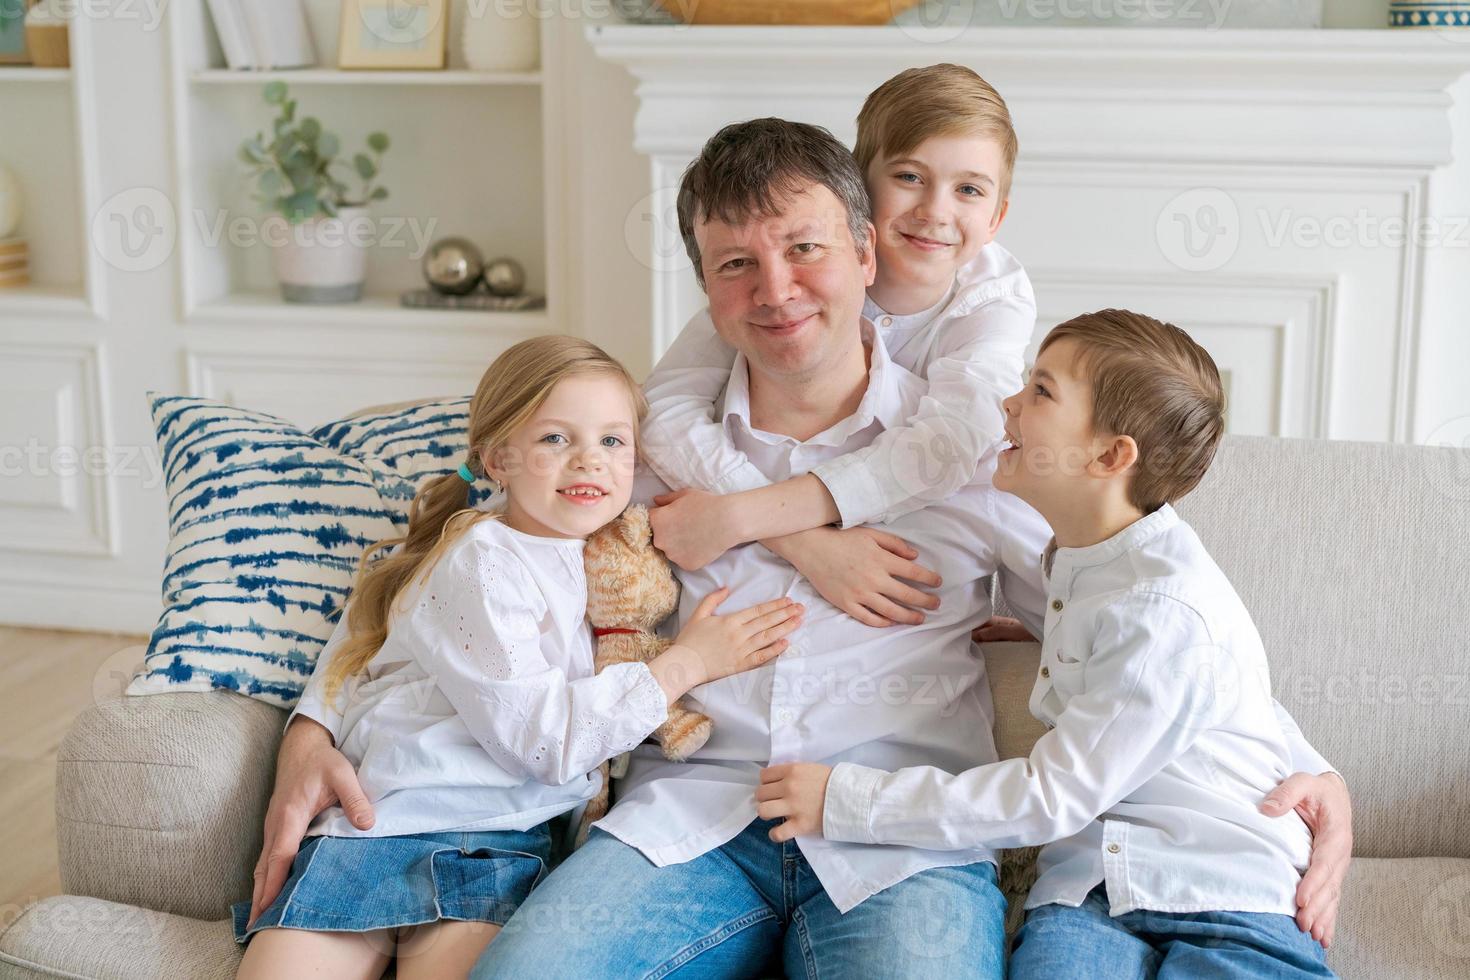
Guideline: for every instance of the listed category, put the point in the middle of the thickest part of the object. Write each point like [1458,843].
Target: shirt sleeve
[1142,706]
[977,362]
[681,440]
[314,703]
[476,631]
[1304,758]
[1021,535]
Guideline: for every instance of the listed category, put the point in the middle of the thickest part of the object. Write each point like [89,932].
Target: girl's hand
[692,527]
[796,791]
[710,647]
[863,572]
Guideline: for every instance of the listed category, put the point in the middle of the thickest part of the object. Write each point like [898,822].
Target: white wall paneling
[56,486]
[1266,181]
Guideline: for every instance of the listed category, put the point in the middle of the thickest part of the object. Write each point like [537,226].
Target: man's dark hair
[745,168]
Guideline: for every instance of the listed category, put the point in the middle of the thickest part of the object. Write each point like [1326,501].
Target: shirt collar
[1133,536]
[882,401]
[894,322]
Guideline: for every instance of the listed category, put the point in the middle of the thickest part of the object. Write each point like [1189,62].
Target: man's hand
[1001,629]
[1324,805]
[311,775]
[863,572]
[692,527]
[796,791]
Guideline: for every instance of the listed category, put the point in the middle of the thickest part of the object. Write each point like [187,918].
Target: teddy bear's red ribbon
[605,630]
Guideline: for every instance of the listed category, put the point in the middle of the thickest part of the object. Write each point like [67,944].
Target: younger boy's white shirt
[482,710]
[1163,740]
[969,348]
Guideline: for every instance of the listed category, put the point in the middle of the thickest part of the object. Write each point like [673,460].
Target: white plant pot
[321,260]
[502,39]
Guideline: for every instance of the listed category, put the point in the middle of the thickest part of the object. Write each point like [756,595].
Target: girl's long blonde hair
[509,393]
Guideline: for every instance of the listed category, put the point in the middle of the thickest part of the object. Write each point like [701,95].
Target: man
[684,873]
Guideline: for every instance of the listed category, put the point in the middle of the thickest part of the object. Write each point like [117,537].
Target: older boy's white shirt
[969,348]
[1163,739]
[842,691]
[482,710]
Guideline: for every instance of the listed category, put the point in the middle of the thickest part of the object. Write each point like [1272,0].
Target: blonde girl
[460,684]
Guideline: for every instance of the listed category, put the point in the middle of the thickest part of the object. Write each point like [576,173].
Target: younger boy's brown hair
[1150,381]
[937,100]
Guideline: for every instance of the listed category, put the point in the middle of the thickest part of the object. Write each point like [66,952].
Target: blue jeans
[749,908]
[1085,942]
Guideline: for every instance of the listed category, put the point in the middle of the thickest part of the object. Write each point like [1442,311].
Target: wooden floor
[47,677]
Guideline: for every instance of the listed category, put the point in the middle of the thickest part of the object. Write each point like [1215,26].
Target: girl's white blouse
[481,711]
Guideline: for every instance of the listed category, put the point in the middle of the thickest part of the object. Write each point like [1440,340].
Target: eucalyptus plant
[293,172]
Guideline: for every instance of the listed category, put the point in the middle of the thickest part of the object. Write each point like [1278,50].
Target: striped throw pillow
[266,525]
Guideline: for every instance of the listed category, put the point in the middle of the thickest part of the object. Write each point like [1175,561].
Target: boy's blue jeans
[1085,942]
[749,908]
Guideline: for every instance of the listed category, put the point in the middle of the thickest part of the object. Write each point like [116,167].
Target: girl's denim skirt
[358,884]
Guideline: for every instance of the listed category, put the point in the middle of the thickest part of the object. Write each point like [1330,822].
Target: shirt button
[1114,848]
[888,321]
[784,716]
[1046,672]
[1056,605]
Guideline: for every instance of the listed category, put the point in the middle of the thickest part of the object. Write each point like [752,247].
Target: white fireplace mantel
[1330,97]
[1302,131]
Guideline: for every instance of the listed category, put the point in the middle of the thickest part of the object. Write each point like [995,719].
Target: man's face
[787,291]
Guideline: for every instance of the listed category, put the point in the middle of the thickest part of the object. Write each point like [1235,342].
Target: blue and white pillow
[266,526]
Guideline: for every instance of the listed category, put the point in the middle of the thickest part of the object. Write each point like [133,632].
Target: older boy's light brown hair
[1152,382]
[937,100]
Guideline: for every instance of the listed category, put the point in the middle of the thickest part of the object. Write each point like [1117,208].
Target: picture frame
[13,49]
[393,35]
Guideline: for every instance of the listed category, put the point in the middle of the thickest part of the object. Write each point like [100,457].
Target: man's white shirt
[842,692]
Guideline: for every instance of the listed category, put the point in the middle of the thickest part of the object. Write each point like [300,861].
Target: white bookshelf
[47,138]
[337,76]
[472,155]
[30,73]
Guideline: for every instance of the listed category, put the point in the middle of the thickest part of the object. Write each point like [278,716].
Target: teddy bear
[631,589]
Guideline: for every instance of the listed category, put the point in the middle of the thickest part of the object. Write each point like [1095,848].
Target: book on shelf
[263,34]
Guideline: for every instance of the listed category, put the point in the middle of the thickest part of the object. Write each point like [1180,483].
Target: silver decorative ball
[453,265]
[504,277]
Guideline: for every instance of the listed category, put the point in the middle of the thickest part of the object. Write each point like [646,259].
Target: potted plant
[319,229]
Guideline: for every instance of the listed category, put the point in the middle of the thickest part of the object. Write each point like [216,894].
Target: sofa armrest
[160,799]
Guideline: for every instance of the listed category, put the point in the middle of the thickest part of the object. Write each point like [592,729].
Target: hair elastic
[465,474]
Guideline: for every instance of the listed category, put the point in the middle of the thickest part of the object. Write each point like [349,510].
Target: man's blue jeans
[749,908]
[1085,942]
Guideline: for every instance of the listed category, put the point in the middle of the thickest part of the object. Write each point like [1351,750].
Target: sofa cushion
[74,936]
[267,523]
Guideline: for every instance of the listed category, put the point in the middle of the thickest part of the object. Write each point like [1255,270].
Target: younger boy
[1163,737]
[936,147]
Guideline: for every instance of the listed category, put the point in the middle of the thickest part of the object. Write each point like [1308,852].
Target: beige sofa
[1354,558]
